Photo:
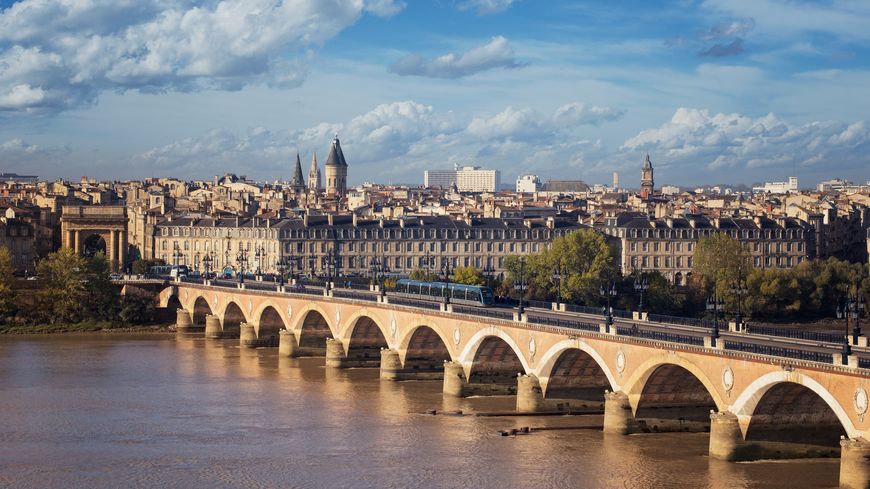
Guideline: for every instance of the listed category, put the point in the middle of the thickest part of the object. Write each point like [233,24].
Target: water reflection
[111,411]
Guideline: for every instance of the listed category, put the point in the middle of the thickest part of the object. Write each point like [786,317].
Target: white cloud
[61,54]
[695,143]
[497,53]
[783,18]
[484,7]
[396,141]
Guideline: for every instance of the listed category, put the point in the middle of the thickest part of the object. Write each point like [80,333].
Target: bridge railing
[797,334]
[780,351]
[663,318]
[404,301]
[636,332]
[495,313]
[350,294]
[563,323]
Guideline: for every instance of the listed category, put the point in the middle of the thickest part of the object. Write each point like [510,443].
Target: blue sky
[717,91]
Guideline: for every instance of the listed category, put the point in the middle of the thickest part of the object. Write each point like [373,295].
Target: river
[124,410]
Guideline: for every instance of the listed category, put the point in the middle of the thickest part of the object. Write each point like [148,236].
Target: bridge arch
[364,331]
[571,368]
[200,308]
[760,398]
[232,317]
[424,343]
[312,328]
[660,367]
[269,322]
[493,357]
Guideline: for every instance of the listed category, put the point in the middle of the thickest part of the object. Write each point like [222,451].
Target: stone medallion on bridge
[393,327]
[457,336]
[250,306]
[860,402]
[533,347]
[289,311]
[728,380]
[216,301]
[620,362]
[337,316]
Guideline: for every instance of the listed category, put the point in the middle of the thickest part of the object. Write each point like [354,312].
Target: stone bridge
[754,406]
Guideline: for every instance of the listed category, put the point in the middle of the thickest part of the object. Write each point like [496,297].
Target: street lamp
[739,289]
[521,286]
[557,277]
[715,304]
[281,266]
[641,285]
[850,306]
[445,270]
[608,291]
[206,262]
[243,261]
[259,254]
[488,271]
[176,254]
[196,262]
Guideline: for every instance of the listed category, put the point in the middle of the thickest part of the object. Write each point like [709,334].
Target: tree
[583,259]
[718,260]
[102,295]
[423,275]
[468,275]
[64,295]
[136,309]
[7,293]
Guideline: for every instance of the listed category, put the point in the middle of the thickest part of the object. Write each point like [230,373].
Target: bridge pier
[213,328]
[618,417]
[184,323]
[455,383]
[391,365]
[726,438]
[530,396]
[287,344]
[854,463]
[335,357]
[247,336]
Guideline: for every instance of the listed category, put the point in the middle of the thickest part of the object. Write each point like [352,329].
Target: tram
[472,295]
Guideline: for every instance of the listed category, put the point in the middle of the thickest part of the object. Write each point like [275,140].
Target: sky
[715,91]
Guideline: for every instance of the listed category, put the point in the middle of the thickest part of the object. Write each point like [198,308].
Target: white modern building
[466,179]
[778,187]
[528,184]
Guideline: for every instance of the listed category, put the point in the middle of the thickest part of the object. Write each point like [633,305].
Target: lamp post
[641,285]
[281,266]
[557,277]
[242,259]
[206,263]
[196,262]
[739,289]
[445,270]
[488,271]
[259,254]
[521,286]
[852,307]
[176,254]
[715,304]
[608,291]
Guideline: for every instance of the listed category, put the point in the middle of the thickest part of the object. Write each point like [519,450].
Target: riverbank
[83,327]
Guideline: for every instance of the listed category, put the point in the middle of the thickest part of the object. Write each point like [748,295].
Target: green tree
[718,260]
[582,258]
[63,297]
[136,309]
[424,275]
[7,293]
[102,295]
[468,275]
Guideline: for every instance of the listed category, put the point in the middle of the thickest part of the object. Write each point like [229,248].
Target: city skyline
[716,92]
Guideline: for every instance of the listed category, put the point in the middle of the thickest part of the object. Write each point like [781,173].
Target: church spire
[314,174]
[298,181]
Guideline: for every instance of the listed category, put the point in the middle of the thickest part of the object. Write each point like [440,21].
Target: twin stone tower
[336,173]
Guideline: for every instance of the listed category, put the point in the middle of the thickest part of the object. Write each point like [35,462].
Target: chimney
[551,222]
[330,219]
[381,222]
[305,219]
[355,219]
